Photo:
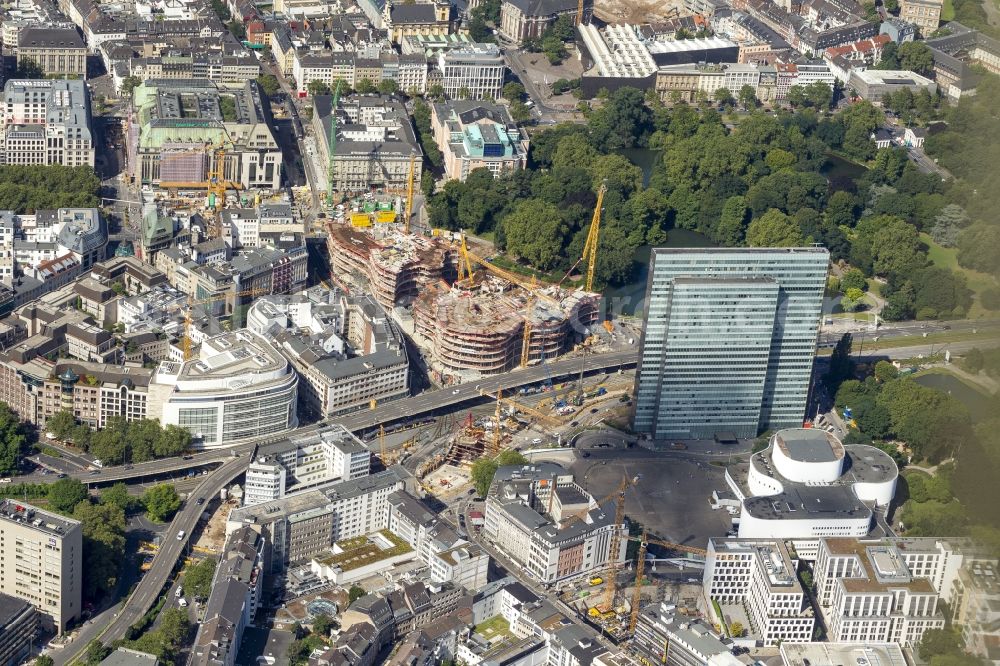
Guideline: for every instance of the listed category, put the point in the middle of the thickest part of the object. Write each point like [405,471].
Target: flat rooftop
[809,445]
[14,511]
[842,654]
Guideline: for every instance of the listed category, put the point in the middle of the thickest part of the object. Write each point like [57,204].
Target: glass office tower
[729,340]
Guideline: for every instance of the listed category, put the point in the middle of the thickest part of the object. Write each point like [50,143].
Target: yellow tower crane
[532,285]
[593,238]
[640,564]
[540,416]
[526,344]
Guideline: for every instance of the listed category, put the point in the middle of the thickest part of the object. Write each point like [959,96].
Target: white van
[180,535]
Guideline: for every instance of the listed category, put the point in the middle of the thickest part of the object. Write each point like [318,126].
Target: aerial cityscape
[499,333]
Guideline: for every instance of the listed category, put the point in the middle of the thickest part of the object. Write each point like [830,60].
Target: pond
[978,402]
[644,158]
[841,173]
[627,299]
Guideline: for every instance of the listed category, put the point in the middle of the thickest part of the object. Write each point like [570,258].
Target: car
[95,472]
[5,480]
[182,602]
[455,392]
[187,457]
[472,491]
[62,475]
[594,410]
[201,500]
[537,440]
[180,535]
[128,467]
[573,424]
[179,592]
[585,454]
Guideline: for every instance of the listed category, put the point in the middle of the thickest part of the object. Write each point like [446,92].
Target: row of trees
[24,189]
[122,441]
[13,440]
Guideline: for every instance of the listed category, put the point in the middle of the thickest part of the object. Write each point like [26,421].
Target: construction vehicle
[596,580]
[332,143]
[640,564]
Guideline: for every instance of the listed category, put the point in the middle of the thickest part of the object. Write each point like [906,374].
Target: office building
[548,525]
[472,72]
[18,626]
[302,525]
[728,341]
[56,51]
[521,20]
[664,636]
[375,142]
[478,135]
[868,593]
[47,121]
[861,654]
[305,461]
[41,561]
[758,576]
[873,84]
[807,484]
[925,14]
[344,346]
[975,601]
[181,127]
[237,388]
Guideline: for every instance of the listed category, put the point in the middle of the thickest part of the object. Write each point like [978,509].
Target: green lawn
[494,628]
[947,257]
[948,11]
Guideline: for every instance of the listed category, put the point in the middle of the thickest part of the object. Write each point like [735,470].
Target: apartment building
[925,14]
[327,455]
[868,593]
[472,72]
[375,142]
[41,561]
[301,525]
[759,575]
[474,135]
[248,224]
[47,121]
[976,602]
[548,525]
[56,51]
[237,592]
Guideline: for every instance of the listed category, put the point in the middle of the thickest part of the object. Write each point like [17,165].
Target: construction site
[472,317]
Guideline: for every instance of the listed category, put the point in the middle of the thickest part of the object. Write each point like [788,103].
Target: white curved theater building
[239,387]
[806,484]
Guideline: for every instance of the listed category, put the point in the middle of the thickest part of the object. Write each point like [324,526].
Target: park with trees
[748,180]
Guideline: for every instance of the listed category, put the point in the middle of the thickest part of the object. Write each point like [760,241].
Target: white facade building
[806,484]
[867,593]
[239,388]
[760,575]
[476,69]
[47,121]
[306,461]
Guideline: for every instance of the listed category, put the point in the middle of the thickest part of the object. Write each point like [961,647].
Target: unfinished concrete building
[396,267]
[482,330]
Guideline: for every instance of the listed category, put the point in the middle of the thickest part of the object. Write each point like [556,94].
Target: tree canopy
[161,502]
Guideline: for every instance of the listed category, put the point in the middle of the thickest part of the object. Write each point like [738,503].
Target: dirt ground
[448,481]
[213,537]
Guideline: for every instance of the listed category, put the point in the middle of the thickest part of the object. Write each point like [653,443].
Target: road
[910,328]
[149,588]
